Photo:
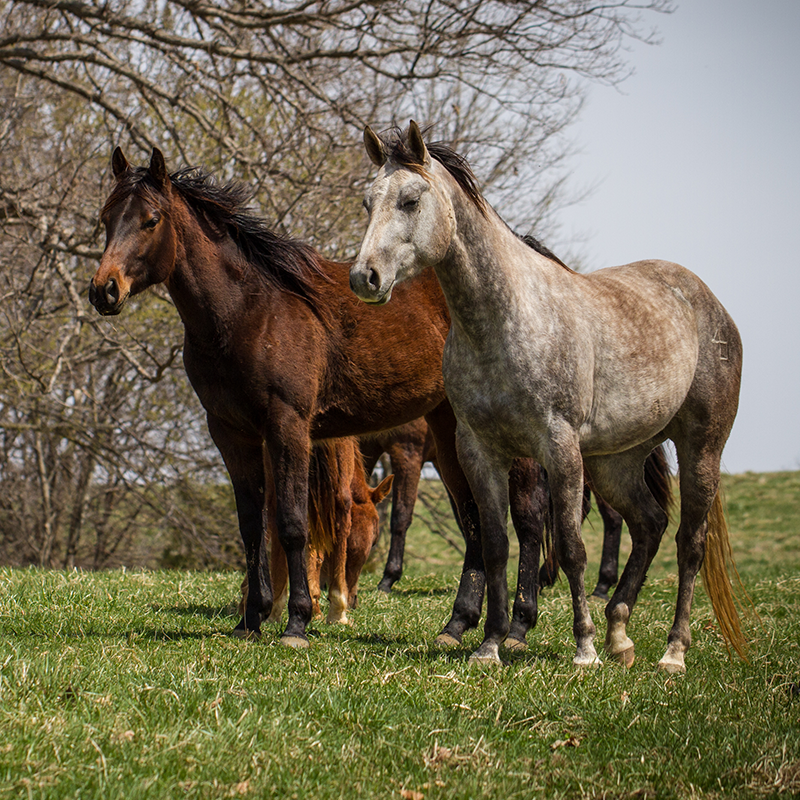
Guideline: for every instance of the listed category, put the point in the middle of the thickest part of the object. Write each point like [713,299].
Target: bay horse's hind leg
[407,461]
[609,561]
[620,480]
[529,499]
[289,448]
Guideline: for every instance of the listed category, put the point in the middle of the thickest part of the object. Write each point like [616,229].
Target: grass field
[126,684]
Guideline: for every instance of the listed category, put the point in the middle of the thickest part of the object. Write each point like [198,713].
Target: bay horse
[408,446]
[586,373]
[282,355]
[343,528]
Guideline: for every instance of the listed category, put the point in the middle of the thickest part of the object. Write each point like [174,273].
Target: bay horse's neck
[210,283]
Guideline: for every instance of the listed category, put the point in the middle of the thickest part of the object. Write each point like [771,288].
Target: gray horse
[581,372]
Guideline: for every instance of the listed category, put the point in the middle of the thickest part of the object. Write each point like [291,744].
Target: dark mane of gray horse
[460,170]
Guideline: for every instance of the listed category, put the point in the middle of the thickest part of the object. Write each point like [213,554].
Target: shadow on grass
[193,610]
[412,592]
[414,650]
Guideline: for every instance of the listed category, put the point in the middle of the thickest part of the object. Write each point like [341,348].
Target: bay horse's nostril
[92,293]
[112,292]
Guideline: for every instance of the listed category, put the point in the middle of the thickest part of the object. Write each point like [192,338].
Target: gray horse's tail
[718,565]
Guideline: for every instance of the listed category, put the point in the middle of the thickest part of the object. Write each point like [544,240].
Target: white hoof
[586,658]
[487,653]
[673,661]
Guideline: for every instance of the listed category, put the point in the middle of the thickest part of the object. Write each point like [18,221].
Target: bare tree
[96,417]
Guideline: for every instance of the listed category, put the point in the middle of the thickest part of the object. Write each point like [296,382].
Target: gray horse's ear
[374,146]
[119,164]
[416,145]
[158,169]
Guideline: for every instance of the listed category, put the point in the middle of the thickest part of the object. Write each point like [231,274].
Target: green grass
[126,684]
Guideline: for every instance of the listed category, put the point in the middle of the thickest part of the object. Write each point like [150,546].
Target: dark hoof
[242,633]
[445,639]
[385,585]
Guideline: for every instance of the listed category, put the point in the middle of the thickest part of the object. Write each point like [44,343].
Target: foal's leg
[469,599]
[245,463]
[620,480]
[529,506]
[279,574]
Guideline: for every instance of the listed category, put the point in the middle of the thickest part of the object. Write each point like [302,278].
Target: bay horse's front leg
[244,460]
[288,449]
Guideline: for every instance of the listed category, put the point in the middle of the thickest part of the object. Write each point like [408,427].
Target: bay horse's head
[140,239]
[411,222]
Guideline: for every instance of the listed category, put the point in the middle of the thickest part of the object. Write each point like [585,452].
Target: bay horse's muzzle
[106,298]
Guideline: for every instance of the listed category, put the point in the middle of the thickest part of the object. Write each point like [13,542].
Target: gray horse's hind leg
[699,482]
[620,480]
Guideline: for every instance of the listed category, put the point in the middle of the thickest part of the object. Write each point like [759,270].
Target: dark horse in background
[282,355]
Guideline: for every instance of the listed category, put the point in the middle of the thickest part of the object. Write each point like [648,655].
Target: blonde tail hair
[717,565]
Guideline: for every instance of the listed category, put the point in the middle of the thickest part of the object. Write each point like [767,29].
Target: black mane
[536,245]
[455,164]
[285,263]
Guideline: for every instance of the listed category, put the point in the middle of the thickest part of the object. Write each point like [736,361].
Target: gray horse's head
[411,221]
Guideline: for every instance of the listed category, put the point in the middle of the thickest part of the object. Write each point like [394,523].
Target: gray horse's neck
[488,271]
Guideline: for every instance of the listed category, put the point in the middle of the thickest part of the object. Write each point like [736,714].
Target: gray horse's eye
[409,203]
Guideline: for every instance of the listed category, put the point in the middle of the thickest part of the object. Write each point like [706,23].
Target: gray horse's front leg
[488,478]
[566,488]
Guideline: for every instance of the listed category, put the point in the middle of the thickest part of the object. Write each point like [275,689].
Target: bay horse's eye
[151,223]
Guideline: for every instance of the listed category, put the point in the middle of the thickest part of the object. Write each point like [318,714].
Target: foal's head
[411,218]
[140,238]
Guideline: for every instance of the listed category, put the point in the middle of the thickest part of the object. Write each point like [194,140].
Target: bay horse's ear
[119,164]
[375,149]
[158,169]
[416,145]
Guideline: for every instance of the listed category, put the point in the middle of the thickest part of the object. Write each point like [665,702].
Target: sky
[696,159]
